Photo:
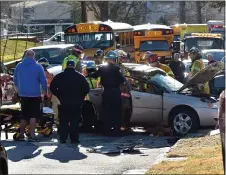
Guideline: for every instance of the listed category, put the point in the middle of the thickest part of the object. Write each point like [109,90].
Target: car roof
[213,50]
[60,46]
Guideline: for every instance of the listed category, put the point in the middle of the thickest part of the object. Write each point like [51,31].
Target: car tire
[183,121]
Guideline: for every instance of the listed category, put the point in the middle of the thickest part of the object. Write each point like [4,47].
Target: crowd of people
[65,92]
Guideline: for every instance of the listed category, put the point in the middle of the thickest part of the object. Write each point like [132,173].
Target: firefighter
[45,63]
[53,102]
[99,56]
[70,87]
[152,60]
[90,68]
[196,66]
[111,79]
[77,52]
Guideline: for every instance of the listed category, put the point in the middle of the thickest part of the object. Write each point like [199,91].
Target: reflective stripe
[92,81]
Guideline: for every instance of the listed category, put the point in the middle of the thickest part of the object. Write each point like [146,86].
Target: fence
[14,45]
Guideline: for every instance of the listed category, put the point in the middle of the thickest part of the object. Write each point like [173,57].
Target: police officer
[70,87]
[99,56]
[77,51]
[111,79]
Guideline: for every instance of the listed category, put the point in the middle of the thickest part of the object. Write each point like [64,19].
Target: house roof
[28,4]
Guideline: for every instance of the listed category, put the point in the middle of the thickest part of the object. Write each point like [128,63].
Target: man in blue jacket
[29,77]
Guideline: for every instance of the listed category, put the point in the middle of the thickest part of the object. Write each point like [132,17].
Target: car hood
[55,69]
[204,75]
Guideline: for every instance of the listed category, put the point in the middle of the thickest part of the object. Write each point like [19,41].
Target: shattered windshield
[91,40]
[167,82]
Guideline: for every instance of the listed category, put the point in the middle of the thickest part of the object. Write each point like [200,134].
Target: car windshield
[217,56]
[204,43]
[161,45]
[53,55]
[176,38]
[167,82]
[91,40]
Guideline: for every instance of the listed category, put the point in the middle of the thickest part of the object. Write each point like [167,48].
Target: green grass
[11,48]
[204,157]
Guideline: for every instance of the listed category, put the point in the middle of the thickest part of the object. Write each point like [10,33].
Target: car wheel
[184,121]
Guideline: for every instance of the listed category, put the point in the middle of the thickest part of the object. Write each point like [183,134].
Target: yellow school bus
[100,35]
[154,38]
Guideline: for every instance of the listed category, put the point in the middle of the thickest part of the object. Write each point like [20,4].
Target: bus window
[92,40]
[128,38]
[132,39]
[155,45]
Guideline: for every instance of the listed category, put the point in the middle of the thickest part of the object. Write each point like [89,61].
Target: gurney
[10,116]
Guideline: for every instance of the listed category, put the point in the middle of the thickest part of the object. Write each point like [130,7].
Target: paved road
[50,157]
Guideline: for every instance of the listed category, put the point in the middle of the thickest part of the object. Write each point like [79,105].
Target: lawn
[11,48]
[204,157]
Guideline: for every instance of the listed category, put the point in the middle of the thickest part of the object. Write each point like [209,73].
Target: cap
[71,63]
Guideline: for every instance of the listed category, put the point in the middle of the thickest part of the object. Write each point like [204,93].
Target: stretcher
[10,116]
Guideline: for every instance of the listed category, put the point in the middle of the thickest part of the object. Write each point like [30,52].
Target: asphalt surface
[49,157]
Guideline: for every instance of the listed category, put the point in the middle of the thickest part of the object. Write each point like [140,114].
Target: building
[49,17]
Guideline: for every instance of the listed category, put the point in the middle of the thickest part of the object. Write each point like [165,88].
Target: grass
[11,47]
[204,157]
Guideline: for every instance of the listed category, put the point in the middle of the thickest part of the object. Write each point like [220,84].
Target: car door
[147,107]
[95,96]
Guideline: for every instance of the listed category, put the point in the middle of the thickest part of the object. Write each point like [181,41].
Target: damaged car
[154,98]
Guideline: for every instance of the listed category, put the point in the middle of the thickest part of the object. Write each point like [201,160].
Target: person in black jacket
[177,67]
[70,87]
[111,78]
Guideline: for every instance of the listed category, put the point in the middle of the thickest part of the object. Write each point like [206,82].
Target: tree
[162,20]
[83,13]
[182,12]
[198,12]
[217,4]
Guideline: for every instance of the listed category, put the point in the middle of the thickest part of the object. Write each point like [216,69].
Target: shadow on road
[65,153]
[18,153]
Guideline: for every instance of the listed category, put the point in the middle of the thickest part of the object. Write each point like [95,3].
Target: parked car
[217,84]
[217,54]
[54,53]
[170,103]
[3,161]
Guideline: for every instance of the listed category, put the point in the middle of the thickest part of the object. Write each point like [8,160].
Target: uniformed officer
[99,56]
[70,87]
[196,66]
[111,79]
[75,56]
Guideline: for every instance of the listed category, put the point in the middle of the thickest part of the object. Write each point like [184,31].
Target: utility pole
[182,11]
[84,14]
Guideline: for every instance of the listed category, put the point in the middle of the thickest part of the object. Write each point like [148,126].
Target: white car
[169,103]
